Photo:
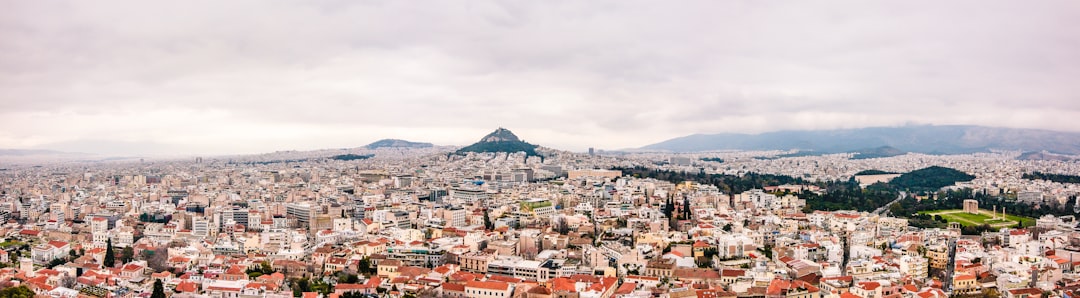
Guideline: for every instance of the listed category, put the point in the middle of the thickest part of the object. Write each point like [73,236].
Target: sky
[231,77]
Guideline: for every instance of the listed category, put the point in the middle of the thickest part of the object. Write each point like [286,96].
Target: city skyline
[210,78]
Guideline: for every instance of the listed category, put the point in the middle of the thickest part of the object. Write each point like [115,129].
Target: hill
[932,178]
[500,140]
[879,152]
[395,143]
[1043,155]
[930,139]
[28,152]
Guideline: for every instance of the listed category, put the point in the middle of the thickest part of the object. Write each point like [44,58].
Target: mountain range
[929,139]
[396,143]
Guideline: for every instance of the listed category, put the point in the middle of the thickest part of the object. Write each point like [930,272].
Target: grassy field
[984,217]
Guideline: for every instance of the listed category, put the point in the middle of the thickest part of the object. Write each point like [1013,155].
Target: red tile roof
[488,285]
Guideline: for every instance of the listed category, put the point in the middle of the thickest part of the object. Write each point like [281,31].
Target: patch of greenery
[848,195]
[348,157]
[873,172]
[501,146]
[932,178]
[1059,178]
[10,243]
[726,183]
[1024,213]
[713,159]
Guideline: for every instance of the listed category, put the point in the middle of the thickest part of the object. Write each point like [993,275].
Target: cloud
[206,77]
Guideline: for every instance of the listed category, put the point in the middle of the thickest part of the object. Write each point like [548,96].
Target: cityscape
[498,149]
[506,218]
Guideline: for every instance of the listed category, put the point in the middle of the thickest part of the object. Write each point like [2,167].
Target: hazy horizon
[211,78]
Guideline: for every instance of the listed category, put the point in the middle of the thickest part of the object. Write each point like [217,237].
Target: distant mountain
[1043,155]
[879,152]
[395,143]
[500,140]
[27,152]
[931,139]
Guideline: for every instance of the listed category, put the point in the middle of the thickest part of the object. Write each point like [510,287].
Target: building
[302,213]
[46,252]
[488,289]
[595,173]
[418,256]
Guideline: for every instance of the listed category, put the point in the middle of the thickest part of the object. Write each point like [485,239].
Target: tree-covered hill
[932,178]
[501,140]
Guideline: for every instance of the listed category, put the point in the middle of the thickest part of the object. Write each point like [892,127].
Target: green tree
[365,268]
[110,256]
[686,208]
[55,262]
[127,254]
[346,278]
[266,268]
[159,289]
[17,292]
[487,221]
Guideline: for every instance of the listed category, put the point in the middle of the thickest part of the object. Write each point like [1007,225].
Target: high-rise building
[200,226]
[303,213]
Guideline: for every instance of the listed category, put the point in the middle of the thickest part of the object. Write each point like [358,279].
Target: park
[983,216]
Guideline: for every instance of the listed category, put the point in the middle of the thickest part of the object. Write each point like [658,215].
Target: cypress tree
[487,221]
[110,257]
[159,289]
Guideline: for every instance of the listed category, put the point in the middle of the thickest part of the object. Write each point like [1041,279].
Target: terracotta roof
[187,286]
[504,279]
[869,285]
[489,285]
[57,244]
[626,288]
[732,273]
[1029,291]
[453,287]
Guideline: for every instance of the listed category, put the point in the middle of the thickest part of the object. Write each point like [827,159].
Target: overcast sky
[218,77]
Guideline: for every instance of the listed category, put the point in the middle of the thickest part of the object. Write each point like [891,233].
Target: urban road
[885,209]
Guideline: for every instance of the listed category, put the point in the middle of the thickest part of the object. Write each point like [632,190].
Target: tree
[127,254]
[686,208]
[55,262]
[346,278]
[159,289]
[266,268]
[561,226]
[67,281]
[17,292]
[365,268]
[487,221]
[158,259]
[110,257]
